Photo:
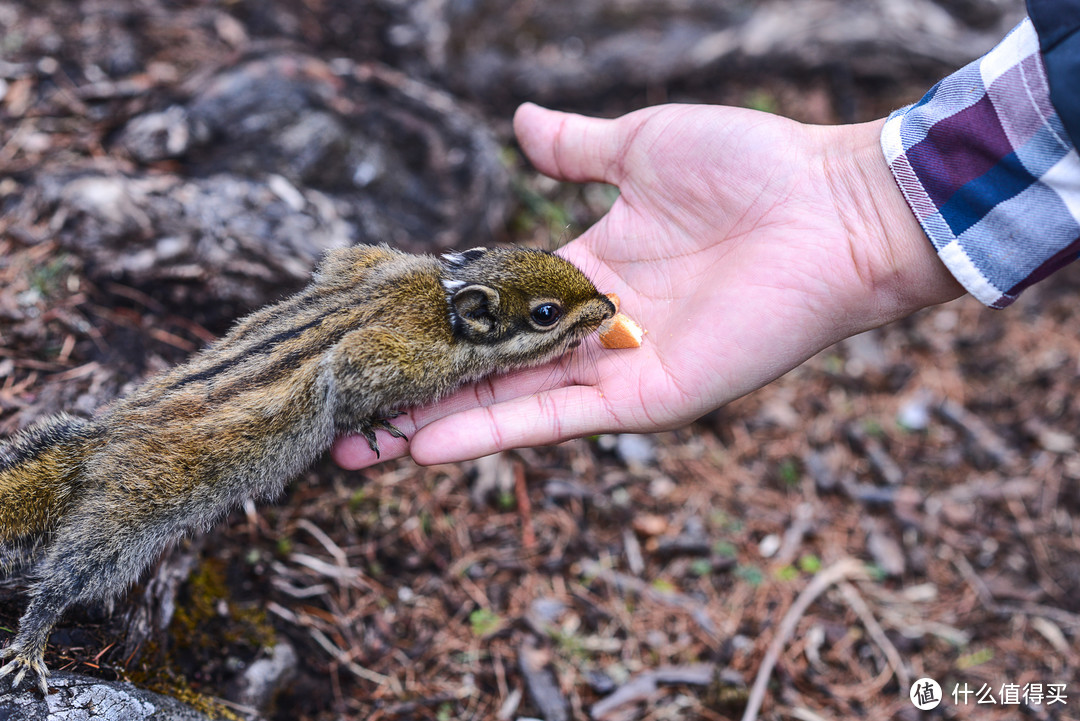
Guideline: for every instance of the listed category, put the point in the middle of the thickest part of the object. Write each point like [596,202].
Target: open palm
[742,241]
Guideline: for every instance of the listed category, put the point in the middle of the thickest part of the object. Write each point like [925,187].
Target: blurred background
[167,166]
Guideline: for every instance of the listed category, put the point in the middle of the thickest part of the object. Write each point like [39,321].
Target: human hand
[744,242]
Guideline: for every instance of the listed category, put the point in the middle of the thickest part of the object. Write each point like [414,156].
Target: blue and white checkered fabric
[986,165]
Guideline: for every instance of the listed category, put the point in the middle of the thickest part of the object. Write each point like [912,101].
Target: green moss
[205,588]
[177,687]
[209,624]
[198,623]
[163,679]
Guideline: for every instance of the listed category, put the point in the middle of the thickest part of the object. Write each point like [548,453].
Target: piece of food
[621,331]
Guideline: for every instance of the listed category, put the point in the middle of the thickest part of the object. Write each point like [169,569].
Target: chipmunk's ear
[474,308]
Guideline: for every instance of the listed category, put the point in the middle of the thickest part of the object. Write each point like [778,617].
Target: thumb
[569,147]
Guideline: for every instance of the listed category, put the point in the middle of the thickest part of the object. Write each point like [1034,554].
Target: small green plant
[663,586]
[875,572]
[751,574]
[701,567]
[45,279]
[539,210]
[873,428]
[789,472]
[723,522]
[506,501]
[786,573]
[725,548]
[762,100]
[356,500]
[975,658]
[485,622]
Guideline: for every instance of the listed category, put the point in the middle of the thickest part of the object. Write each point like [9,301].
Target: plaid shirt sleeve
[987,167]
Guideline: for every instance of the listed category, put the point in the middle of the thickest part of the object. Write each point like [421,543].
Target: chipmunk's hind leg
[94,556]
[27,651]
[66,575]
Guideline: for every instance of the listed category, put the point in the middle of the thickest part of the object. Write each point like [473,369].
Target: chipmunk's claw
[22,663]
[367,430]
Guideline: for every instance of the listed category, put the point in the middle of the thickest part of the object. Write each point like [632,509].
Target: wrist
[900,270]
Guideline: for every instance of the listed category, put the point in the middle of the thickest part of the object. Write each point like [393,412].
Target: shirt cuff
[989,171]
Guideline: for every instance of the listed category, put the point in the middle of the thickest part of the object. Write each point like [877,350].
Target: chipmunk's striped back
[39,471]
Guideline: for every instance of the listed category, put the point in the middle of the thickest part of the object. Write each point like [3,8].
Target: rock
[650,524]
[635,450]
[535,665]
[600,682]
[80,698]
[769,545]
[865,354]
[914,414]
[884,548]
[158,135]
[565,51]
[544,614]
[263,680]
[268,164]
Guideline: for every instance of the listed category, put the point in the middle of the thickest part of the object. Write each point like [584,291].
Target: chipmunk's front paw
[367,430]
[22,662]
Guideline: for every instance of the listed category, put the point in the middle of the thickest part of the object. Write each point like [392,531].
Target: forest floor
[904,505]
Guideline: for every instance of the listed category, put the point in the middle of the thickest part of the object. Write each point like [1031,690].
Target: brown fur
[90,504]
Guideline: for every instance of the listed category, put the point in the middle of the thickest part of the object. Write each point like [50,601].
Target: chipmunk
[87,505]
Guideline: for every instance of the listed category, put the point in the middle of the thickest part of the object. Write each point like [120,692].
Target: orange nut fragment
[621,331]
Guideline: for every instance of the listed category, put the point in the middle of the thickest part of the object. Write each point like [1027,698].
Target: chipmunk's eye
[546,314]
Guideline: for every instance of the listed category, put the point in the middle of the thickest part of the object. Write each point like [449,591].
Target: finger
[567,146]
[539,419]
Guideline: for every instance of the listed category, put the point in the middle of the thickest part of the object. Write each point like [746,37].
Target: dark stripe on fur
[36,439]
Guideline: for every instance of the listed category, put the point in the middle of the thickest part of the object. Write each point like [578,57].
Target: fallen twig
[356,669]
[626,582]
[521,493]
[873,628]
[985,438]
[642,686]
[845,569]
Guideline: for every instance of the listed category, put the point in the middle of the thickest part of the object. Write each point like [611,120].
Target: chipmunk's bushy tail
[39,473]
